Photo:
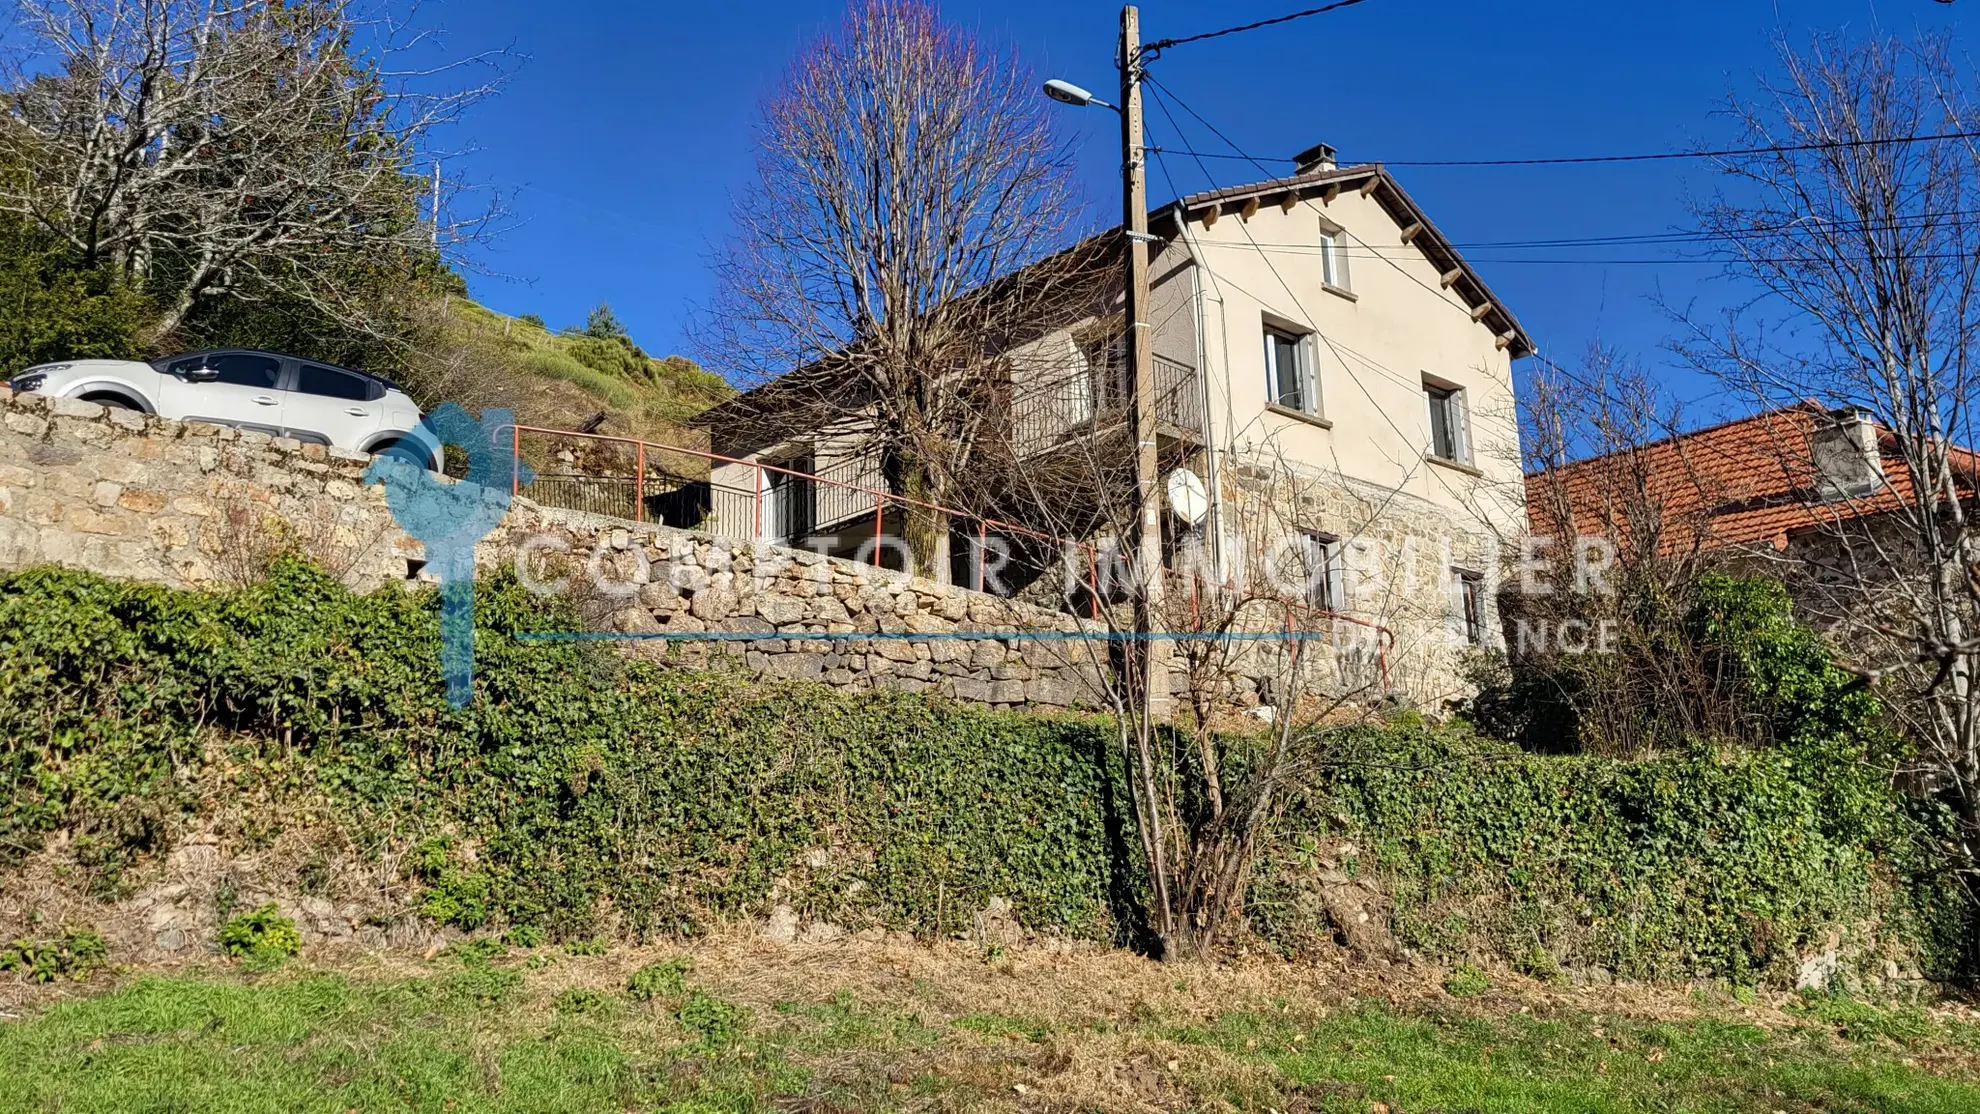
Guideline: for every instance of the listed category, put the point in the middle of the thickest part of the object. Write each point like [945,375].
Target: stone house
[1332,373]
[1819,499]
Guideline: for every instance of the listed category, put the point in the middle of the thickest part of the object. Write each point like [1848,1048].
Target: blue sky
[622,136]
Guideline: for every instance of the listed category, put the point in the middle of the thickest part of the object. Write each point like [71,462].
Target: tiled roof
[1749,482]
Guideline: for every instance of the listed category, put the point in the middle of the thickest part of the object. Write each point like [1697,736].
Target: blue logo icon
[449,518]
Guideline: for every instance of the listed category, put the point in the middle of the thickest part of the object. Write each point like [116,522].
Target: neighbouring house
[1332,373]
[1820,499]
[1776,485]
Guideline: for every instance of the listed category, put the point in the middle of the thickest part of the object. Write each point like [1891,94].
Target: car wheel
[114,402]
[382,447]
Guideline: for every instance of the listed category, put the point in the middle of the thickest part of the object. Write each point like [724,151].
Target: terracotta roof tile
[1749,482]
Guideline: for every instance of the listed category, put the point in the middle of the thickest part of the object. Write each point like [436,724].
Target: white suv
[286,396]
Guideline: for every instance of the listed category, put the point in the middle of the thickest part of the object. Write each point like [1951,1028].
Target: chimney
[1314,160]
[1847,461]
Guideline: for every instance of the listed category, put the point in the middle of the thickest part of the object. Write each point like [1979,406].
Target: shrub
[665,979]
[583,782]
[76,954]
[262,938]
[711,1021]
[523,936]
[1723,862]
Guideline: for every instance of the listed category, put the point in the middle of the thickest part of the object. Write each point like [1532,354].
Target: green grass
[464,1040]
[1579,1065]
[331,1044]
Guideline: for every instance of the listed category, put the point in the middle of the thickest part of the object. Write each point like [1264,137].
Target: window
[1325,585]
[1333,258]
[1289,371]
[1468,604]
[790,505]
[331,383]
[1103,355]
[242,369]
[1448,418]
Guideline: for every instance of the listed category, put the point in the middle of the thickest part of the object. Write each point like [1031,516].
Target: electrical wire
[1403,436]
[1150,49]
[1165,95]
[1644,156]
[1728,152]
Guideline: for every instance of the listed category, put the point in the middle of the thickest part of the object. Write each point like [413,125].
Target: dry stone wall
[193,505]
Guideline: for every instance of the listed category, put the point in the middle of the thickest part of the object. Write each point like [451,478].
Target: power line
[1645,156]
[1728,152]
[1160,45]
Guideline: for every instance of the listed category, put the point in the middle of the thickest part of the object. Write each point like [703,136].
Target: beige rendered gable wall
[1373,346]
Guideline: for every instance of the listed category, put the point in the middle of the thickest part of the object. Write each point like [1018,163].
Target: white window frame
[1457,420]
[1309,383]
[1334,258]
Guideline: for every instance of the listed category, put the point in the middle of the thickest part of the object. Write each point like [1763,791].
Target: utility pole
[1154,679]
[436,201]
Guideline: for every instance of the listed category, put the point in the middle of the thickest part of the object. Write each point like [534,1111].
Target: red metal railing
[653,483]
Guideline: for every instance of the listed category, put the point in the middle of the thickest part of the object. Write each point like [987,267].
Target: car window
[331,383]
[243,369]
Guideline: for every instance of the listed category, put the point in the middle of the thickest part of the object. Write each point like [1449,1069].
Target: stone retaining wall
[192,505]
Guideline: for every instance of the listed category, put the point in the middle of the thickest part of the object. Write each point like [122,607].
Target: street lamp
[1065,92]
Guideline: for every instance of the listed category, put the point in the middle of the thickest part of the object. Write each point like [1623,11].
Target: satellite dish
[1188,497]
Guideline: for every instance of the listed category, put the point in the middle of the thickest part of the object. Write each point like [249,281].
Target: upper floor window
[1333,258]
[1289,370]
[1449,416]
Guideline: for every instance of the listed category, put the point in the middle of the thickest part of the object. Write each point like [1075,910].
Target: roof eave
[1375,180]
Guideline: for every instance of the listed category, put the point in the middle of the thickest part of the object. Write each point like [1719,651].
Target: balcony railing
[1046,415]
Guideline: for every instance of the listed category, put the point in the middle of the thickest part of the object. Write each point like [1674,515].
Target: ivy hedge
[579,791]
[585,792]
[1721,863]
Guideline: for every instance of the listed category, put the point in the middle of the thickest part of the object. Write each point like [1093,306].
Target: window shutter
[1336,578]
[1461,425]
[1429,421]
[1341,261]
[1309,387]
[1271,369]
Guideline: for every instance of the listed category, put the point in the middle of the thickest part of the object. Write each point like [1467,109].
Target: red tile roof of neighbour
[1749,482]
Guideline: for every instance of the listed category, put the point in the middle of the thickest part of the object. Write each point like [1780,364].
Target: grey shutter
[1461,425]
[1309,388]
[1336,577]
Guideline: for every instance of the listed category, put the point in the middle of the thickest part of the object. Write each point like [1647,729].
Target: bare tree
[903,169]
[1621,504]
[1266,670]
[208,149]
[1857,230]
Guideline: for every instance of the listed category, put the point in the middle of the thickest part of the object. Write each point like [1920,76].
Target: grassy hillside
[564,379]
